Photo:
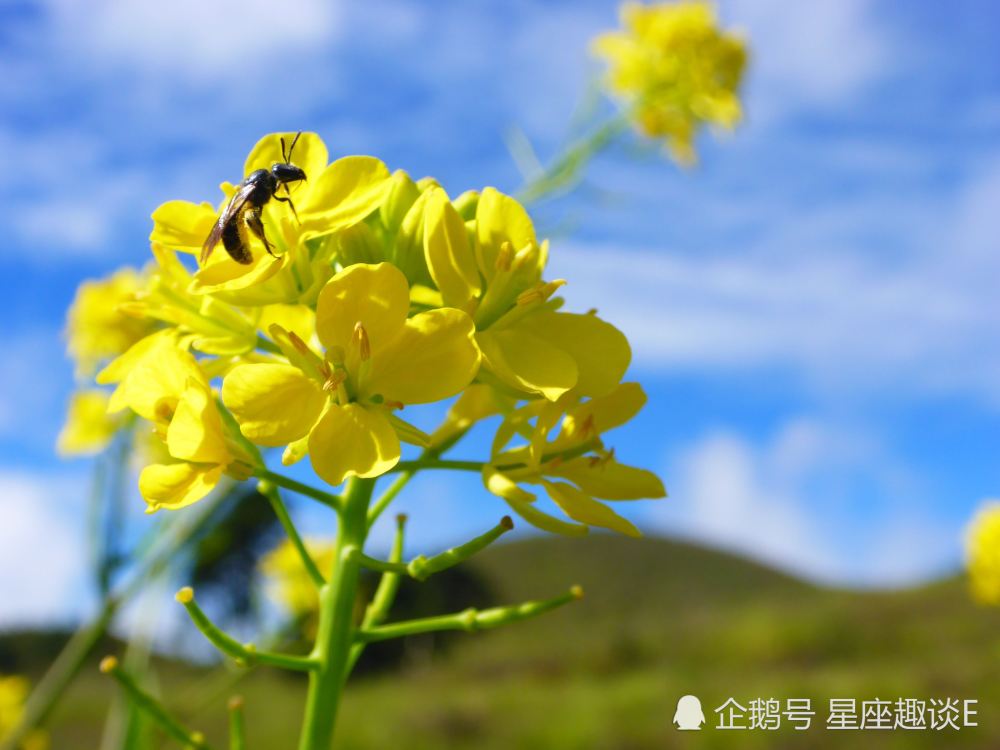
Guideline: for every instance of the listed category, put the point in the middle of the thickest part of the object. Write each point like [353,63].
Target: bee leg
[252,219]
[290,205]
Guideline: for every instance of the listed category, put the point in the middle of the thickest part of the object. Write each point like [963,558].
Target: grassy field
[660,619]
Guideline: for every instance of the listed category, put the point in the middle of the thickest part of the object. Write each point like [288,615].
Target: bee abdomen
[235,241]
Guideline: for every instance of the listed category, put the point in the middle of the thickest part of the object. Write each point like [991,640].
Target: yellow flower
[335,196]
[676,69]
[96,327]
[339,407]
[163,383]
[529,347]
[575,469]
[211,326]
[982,551]
[89,428]
[13,693]
[290,584]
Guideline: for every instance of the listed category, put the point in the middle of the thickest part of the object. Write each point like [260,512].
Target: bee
[243,212]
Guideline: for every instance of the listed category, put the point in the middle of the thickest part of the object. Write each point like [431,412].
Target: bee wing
[229,213]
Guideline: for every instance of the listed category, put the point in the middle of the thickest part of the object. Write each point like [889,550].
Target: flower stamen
[360,340]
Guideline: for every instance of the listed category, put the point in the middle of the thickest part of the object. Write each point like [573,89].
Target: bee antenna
[295,140]
[283,156]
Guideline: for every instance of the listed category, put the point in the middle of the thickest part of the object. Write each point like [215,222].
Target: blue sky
[813,309]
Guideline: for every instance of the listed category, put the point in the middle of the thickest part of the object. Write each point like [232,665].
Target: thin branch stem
[265,344]
[333,501]
[422,567]
[471,620]
[379,506]
[245,655]
[422,464]
[237,727]
[434,452]
[378,608]
[273,494]
[153,707]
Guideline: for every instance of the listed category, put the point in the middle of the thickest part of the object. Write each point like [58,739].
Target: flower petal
[89,428]
[499,219]
[377,296]
[160,375]
[523,360]
[583,508]
[609,480]
[601,352]
[195,432]
[223,274]
[275,404]
[182,225]
[521,501]
[433,358]
[598,415]
[310,153]
[352,441]
[174,486]
[446,247]
[343,194]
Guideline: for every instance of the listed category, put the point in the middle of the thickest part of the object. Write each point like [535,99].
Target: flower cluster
[676,70]
[983,553]
[13,693]
[289,584]
[383,292]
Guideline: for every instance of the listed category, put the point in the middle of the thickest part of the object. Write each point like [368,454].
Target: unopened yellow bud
[108,664]
[185,595]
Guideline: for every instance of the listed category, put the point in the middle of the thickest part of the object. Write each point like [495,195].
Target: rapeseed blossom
[377,360]
[675,70]
[384,293]
[96,327]
[13,693]
[287,580]
[982,551]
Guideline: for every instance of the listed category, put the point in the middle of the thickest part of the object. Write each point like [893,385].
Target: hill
[661,619]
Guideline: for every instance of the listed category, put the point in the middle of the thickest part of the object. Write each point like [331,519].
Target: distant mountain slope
[660,619]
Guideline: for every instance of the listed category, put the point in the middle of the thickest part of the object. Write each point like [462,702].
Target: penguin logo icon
[689,716]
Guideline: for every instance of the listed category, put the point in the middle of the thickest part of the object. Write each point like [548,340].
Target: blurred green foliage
[660,619]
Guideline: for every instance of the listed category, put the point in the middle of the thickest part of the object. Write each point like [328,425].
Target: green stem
[153,707]
[422,464]
[237,729]
[271,492]
[434,452]
[378,608]
[267,345]
[333,501]
[336,630]
[470,620]
[422,567]
[390,494]
[246,655]
[565,170]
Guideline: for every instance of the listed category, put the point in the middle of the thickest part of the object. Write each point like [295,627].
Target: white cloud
[811,294]
[808,55]
[792,502]
[42,552]
[235,39]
